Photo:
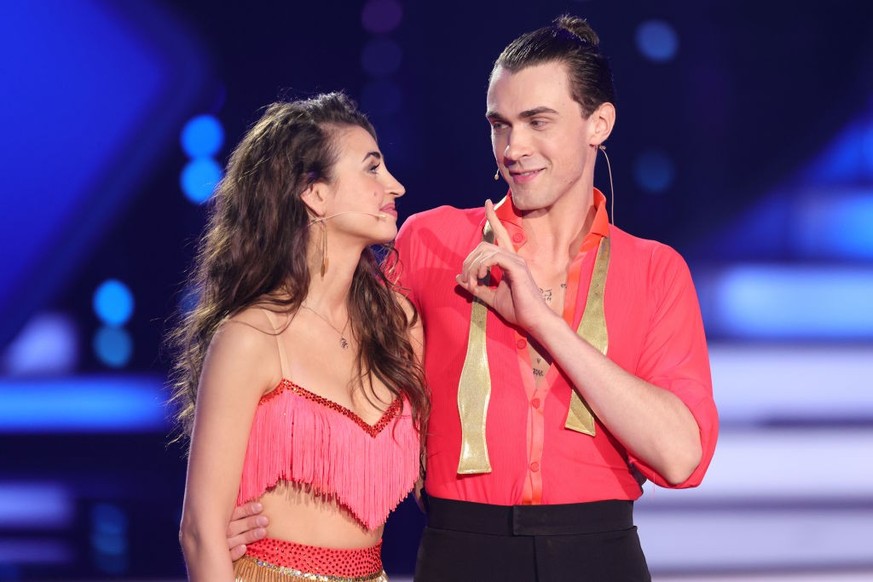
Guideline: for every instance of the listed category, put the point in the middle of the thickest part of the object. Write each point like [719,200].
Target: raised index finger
[501,237]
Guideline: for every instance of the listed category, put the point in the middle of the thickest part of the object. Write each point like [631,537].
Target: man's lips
[389,209]
[524,177]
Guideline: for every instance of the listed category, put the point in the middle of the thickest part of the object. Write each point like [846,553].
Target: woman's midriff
[304,517]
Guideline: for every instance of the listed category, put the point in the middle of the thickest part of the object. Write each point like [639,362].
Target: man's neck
[554,235]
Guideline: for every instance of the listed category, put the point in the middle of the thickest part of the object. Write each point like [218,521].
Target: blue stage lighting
[48,344]
[113,302]
[23,503]
[202,136]
[113,346]
[868,148]
[27,551]
[779,302]
[653,171]
[130,73]
[188,300]
[657,40]
[111,403]
[849,211]
[109,538]
[199,179]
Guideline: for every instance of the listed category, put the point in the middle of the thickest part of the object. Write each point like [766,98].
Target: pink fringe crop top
[302,438]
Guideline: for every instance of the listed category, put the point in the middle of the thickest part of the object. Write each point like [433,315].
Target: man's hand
[246,525]
[517,298]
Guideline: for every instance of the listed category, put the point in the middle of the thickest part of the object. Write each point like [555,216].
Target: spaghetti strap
[283,363]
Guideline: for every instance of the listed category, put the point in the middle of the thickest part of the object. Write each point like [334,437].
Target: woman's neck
[330,281]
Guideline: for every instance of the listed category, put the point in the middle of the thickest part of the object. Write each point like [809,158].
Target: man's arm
[651,422]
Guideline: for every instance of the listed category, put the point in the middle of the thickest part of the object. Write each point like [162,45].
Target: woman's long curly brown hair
[255,244]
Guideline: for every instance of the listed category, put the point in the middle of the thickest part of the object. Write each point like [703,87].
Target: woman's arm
[239,367]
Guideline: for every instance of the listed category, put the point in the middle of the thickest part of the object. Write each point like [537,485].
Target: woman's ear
[314,198]
[603,120]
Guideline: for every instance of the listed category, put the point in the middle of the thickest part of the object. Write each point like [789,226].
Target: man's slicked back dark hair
[569,40]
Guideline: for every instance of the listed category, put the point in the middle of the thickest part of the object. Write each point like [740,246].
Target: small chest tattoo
[548,294]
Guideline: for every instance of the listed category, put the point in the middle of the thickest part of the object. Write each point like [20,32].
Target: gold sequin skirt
[272,560]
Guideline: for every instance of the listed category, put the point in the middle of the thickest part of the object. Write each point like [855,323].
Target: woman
[298,368]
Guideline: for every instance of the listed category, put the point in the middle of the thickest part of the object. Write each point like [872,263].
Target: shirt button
[517,237]
[521,344]
[535,403]
[535,466]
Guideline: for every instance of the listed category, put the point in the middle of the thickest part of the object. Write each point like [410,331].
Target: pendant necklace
[344,343]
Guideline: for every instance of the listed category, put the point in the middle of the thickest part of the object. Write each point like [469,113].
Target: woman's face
[363,191]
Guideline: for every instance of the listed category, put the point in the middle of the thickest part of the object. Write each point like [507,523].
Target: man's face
[539,134]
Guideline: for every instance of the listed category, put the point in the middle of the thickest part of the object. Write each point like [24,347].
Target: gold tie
[592,329]
[474,387]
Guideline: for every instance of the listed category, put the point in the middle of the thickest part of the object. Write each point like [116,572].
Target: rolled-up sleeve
[675,355]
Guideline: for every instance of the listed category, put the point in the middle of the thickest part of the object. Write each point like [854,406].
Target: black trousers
[580,542]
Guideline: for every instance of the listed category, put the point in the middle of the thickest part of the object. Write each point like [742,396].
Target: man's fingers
[481,266]
[237,543]
[501,236]
[246,526]
[246,510]
[481,292]
[239,527]
[237,552]
[246,537]
[478,263]
[472,264]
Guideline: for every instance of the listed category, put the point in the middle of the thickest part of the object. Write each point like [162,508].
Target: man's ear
[314,197]
[603,120]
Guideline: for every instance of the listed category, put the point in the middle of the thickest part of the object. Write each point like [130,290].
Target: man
[580,369]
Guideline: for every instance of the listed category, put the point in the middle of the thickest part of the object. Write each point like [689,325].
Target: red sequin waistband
[290,558]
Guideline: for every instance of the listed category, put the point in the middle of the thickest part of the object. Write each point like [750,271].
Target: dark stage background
[744,139]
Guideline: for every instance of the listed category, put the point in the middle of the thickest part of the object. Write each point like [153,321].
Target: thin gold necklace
[344,343]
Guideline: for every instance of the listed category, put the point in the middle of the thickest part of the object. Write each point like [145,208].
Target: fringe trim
[248,569]
[301,440]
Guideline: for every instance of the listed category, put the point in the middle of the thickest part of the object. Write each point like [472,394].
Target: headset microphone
[378,216]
